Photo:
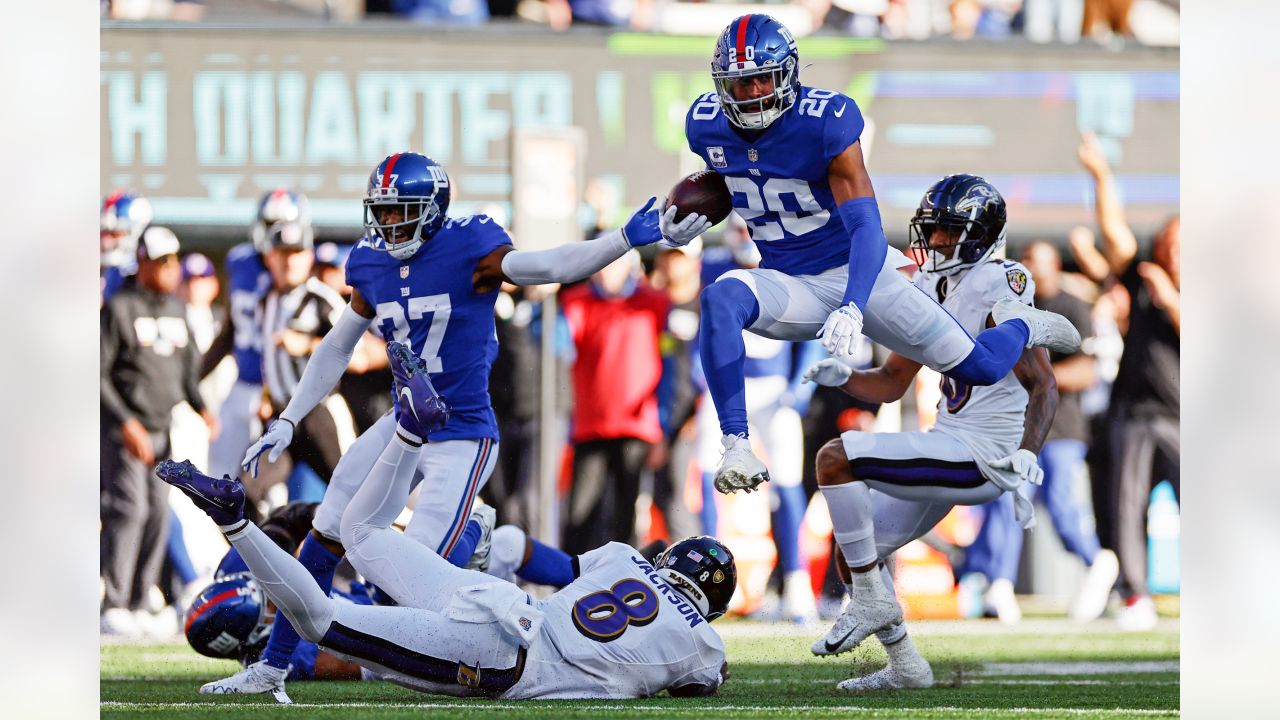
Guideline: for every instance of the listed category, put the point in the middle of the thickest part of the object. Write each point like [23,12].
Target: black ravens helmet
[701,569]
[972,209]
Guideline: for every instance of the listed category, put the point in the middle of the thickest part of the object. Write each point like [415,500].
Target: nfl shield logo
[1017,280]
[752,155]
[716,155]
[404,271]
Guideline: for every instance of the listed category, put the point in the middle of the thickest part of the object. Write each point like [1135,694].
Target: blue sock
[547,566]
[995,351]
[708,512]
[466,545]
[177,551]
[786,526]
[727,308]
[321,563]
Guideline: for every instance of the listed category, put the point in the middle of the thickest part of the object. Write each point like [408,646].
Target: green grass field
[1043,668]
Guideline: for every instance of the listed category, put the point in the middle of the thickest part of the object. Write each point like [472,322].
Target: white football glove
[829,372]
[839,334]
[679,234]
[276,438]
[1016,469]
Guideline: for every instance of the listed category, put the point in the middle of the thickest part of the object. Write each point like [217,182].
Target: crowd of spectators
[1153,22]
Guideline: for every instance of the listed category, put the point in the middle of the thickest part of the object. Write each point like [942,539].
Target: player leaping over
[886,489]
[790,156]
[623,628]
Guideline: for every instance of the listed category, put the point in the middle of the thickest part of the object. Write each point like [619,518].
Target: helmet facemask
[971,246]
[402,239]
[756,113]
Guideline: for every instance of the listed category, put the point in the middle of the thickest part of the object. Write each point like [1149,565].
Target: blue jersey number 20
[808,216]
[603,616]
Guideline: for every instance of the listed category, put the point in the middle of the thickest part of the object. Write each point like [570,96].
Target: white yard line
[1086,667]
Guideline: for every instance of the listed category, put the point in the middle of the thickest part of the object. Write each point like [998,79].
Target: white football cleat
[1091,600]
[739,469]
[1000,597]
[257,678]
[872,608]
[1049,330]
[486,517]
[892,677]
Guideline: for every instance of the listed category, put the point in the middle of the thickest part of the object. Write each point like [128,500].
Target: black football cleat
[221,498]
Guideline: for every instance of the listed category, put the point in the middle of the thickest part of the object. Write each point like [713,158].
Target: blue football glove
[644,227]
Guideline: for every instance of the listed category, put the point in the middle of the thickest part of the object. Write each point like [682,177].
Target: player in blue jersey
[124,216]
[429,281]
[791,158]
[242,332]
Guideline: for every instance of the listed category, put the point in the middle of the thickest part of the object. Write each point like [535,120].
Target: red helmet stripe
[742,38]
[386,174]
[195,614]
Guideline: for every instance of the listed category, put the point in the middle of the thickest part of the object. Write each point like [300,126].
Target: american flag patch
[695,556]
[525,623]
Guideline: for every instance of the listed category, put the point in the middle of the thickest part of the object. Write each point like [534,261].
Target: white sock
[853,521]
[900,651]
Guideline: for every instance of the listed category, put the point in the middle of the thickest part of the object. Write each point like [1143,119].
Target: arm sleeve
[868,248]
[566,263]
[113,405]
[326,365]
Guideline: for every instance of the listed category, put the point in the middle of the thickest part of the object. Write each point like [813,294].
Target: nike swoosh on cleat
[833,647]
[188,489]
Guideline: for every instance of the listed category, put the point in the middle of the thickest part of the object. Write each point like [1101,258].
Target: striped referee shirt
[312,308]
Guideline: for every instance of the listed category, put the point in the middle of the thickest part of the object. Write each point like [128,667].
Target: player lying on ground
[623,628]
[429,281]
[791,158]
[886,489]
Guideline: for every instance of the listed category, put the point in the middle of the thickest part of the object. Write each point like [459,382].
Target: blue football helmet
[124,216]
[229,619]
[279,206]
[702,569]
[974,212]
[752,48]
[406,202]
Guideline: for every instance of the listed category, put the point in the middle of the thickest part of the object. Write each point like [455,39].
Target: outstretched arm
[1119,245]
[575,261]
[883,384]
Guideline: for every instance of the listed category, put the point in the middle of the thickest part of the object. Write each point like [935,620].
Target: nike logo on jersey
[840,112]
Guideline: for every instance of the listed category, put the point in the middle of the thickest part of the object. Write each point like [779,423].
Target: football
[704,193]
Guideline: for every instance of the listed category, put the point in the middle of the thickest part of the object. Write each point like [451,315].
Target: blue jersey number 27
[395,325]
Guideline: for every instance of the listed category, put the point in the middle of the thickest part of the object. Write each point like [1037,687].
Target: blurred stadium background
[206,106]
